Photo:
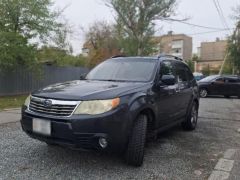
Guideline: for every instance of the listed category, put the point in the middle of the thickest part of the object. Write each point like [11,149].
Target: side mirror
[168,80]
[83,76]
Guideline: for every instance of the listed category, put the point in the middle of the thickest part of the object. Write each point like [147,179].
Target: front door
[166,96]
[217,87]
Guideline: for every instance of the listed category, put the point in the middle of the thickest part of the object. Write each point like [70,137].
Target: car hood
[87,90]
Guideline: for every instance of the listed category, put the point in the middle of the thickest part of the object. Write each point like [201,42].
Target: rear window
[232,80]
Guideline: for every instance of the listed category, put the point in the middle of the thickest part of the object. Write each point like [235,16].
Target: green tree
[190,64]
[234,49]
[59,57]
[61,38]
[228,68]
[206,70]
[29,18]
[21,23]
[51,55]
[195,58]
[15,50]
[101,42]
[136,22]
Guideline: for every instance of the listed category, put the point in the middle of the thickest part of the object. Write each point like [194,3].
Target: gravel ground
[175,155]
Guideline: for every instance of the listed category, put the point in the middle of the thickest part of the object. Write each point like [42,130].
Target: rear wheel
[135,149]
[192,118]
[203,93]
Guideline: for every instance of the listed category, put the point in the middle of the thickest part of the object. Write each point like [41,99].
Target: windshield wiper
[113,80]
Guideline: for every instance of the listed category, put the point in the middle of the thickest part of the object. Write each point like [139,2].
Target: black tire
[227,96]
[191,119]
[135,150]
[203,93]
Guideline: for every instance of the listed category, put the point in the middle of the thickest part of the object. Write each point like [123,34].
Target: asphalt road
[175,155]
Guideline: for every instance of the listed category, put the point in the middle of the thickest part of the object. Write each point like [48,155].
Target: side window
[232,80]
[219,80]
[166,68]
[189,74]
[181,73]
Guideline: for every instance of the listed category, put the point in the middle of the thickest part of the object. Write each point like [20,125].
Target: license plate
[41,127]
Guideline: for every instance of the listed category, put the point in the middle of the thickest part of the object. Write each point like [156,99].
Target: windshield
[124,69]
[209,78]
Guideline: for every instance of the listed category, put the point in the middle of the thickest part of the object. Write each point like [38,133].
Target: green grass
[11,102]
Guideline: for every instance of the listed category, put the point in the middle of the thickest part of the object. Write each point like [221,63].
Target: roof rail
[171,56]
[117,56]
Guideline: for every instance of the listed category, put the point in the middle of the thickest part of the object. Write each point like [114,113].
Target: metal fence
[22,81]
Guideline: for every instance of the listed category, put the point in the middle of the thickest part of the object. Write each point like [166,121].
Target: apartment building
[179,45]
[212,55]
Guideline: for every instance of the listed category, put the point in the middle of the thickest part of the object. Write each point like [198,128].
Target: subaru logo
[47,103]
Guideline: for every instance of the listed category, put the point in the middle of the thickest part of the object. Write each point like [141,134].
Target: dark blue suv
[120,103]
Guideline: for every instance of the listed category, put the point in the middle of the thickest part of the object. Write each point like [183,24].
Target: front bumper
[83,131]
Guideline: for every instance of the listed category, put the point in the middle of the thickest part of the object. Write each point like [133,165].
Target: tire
[135,150]
[227,96]
[203,93]
[191,119]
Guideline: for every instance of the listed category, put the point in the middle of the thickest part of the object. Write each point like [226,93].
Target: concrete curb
[224,166]
[10,109]
[11,122]
[10,115]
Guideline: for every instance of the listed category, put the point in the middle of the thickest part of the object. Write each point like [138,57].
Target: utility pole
[224,62]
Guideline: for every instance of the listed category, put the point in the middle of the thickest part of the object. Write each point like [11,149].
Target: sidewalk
[11,115]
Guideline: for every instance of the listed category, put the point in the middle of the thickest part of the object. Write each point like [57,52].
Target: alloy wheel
[203,93]
[194,116]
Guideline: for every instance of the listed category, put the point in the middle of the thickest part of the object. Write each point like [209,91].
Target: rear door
[184,87]
[232,86]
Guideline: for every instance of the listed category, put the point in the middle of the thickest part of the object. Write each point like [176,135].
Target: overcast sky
[82,13]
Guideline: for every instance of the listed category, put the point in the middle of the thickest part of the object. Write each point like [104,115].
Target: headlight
[27,101]
[97,106]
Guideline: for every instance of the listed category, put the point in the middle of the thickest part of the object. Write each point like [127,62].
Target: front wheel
[135,149]
[203,93]
[192,118]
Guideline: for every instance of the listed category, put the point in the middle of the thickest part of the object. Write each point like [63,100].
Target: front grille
[52,107]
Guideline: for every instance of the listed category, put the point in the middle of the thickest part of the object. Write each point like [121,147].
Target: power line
[195,25]
[209,32]
[220,13]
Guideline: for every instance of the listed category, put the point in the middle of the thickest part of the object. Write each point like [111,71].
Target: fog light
[103,142]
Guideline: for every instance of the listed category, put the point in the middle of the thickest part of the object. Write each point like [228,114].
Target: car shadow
[220,97]
[76,157]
